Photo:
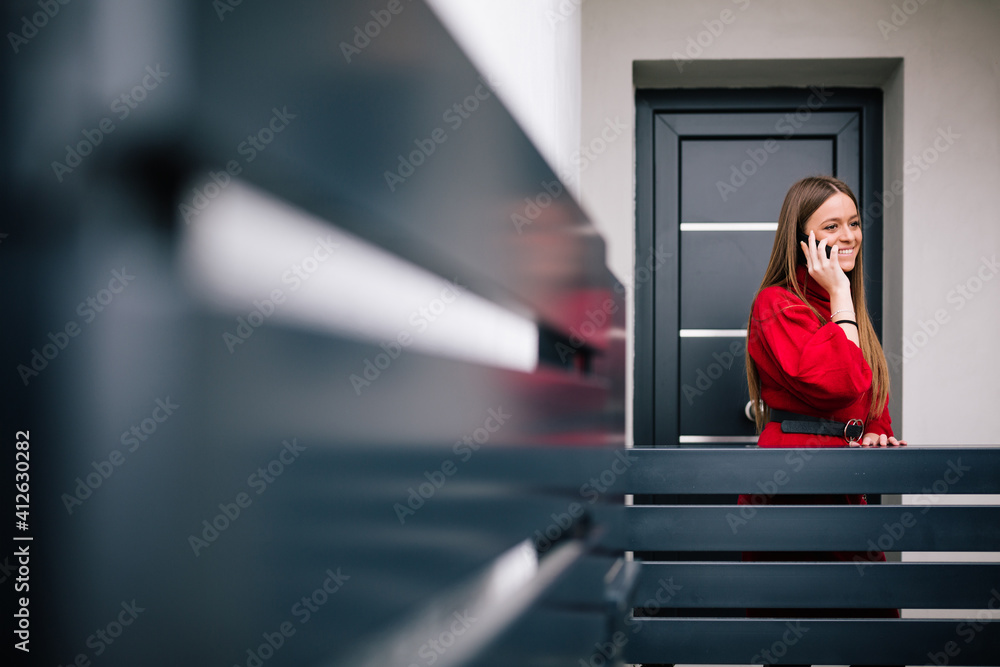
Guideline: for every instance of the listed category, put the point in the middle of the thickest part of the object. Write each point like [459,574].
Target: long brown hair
[800,203]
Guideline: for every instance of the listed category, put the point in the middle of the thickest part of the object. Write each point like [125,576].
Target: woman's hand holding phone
[825,268]
[827,273]
[805,239]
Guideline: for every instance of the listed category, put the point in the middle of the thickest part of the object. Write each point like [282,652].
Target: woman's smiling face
[837,221]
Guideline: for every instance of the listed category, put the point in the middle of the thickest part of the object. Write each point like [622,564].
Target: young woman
[814,364]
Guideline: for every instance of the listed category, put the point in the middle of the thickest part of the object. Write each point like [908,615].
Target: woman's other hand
[876,440]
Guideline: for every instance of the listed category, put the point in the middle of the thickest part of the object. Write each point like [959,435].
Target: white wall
[948,219]
[530,50]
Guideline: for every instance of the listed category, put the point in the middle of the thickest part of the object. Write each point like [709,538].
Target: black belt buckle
[853,430]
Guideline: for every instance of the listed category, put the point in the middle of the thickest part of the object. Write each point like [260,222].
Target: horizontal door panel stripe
[713,333]
[729,226]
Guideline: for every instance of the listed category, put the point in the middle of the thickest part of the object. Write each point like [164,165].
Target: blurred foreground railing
[290,322]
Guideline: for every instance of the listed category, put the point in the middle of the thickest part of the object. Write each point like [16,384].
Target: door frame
[654,401]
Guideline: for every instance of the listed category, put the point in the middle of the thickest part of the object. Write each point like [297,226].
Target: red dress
[809,367]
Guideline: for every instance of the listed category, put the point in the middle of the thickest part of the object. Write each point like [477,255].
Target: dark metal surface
[708,161]
[671,594]
[713,386]
[813,528]
[821,585]
[917,470]
[644,401]
[656,348]
[814,641]
[720,274]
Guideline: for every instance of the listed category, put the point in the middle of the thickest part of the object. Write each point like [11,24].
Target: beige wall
[947,220]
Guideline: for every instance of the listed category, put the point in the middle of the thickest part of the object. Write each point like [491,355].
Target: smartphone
[805,239]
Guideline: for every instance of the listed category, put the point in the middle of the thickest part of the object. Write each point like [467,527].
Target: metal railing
[839,591]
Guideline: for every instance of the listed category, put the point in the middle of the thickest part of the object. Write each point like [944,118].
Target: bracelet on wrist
[847,322]
[842,310]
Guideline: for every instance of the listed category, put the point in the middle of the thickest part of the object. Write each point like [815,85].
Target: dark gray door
[713,169]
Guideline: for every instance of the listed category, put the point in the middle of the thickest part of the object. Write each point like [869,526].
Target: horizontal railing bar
[810,641]
[810,528]
[818,585]
[830,470]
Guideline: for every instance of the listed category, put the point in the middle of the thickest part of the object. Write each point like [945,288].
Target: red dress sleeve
[814,361]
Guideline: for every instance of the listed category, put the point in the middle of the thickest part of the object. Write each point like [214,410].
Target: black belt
[793,422]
